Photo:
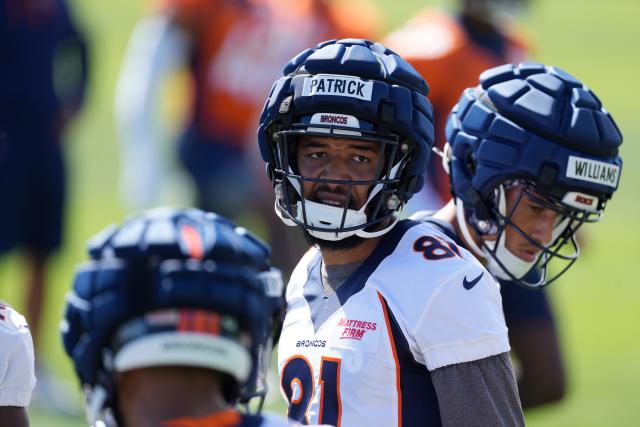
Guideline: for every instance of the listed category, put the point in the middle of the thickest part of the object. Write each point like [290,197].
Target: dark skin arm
[13,416]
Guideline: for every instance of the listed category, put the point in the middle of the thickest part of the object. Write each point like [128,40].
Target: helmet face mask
[362,204]
[516,208]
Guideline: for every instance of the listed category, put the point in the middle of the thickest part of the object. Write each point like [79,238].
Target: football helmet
[171,287]
[539,128]
[353,89]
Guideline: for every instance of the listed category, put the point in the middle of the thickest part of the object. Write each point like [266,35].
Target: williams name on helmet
[593,171]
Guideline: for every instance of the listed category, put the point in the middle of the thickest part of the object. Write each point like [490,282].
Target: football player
[532,154]
[450,50]
[171,319]
[381,328]
[17,378]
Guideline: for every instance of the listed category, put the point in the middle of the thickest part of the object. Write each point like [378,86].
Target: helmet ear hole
[471,162]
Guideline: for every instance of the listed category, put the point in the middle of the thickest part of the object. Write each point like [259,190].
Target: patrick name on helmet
[337,85]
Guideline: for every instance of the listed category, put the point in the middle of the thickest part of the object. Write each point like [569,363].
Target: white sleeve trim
[466,351]
[19,398]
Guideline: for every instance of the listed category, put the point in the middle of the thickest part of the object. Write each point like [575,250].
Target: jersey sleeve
[17,377]
[482,392]
[463,321]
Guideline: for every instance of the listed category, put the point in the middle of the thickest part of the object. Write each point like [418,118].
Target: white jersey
[17,377]
[363,355]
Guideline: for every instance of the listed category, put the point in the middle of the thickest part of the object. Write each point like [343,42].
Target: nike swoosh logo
[468,284]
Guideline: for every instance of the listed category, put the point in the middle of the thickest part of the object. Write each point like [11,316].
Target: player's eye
[317,155]
[532,206]
[361,159]
[536,209]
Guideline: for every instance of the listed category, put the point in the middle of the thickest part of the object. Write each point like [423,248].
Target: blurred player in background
[234,49]
[532,155]
[171,319]
[450,51]
[382,328]
[42,84]
[17,377]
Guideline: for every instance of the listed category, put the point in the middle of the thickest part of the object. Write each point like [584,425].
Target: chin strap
[497,249]
[466,232]
[515,266]
[95,412]
[445,156]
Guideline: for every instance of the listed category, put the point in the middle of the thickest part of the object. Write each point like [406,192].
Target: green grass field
[597,301]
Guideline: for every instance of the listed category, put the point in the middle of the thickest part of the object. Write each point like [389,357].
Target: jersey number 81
[298,385]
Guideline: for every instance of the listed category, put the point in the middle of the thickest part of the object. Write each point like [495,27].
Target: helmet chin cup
[319,216]
[501,262]
[515,266]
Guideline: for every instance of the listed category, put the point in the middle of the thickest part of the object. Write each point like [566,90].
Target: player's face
[340,159]
[533,219]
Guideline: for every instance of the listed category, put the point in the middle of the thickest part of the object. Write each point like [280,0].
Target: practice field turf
[597,301]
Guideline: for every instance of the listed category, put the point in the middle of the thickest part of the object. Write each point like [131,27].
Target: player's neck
[351,255]
[161,396]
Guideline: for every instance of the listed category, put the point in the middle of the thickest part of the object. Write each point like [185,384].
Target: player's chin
[332,245]
[528,254]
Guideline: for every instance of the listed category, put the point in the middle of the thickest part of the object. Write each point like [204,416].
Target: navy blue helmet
[171,287]
[353,89]
[541,128]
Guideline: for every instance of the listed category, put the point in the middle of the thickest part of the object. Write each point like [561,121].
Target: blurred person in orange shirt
[233,50]
[450,50]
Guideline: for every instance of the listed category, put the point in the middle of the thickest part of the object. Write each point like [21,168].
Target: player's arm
[481,392]
[463,339]
[13,416]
